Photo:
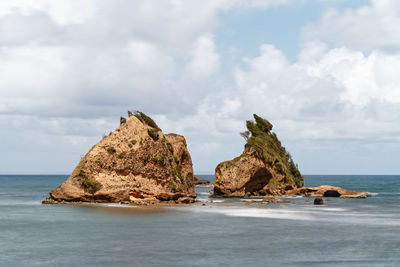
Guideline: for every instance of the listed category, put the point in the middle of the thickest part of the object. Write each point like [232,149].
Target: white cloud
[205,61]
[339,94]
[68,68]
[339,90]
[370,27]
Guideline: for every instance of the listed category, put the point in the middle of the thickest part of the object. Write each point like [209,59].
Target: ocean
[227,232]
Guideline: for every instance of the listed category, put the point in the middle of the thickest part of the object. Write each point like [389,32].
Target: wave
[19,203]
[260,213]
[301,213]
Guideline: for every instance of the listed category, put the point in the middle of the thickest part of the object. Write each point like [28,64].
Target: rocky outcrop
[135,163]
[318,201]
[200,182]
[264,167]
[326,191]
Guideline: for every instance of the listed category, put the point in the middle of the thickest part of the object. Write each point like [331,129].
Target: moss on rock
[268,148]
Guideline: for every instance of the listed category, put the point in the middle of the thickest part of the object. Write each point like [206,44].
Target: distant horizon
[54,174]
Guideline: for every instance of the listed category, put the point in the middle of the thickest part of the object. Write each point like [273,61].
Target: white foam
[261,213]
[323,214]
[218,201]
[283,197]
[251,200]
[19,203]
[328,209]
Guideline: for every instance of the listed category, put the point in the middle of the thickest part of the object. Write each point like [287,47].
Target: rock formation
[318,201]
[199,182]
[326,191]
[135,163]
[264,167]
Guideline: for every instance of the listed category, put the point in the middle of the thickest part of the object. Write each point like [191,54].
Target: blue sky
[322,71]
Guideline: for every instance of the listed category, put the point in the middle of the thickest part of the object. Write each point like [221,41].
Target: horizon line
[3,174]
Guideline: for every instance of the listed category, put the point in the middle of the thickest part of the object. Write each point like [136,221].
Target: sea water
[227,232]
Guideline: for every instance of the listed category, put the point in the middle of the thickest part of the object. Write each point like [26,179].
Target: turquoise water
[344,232]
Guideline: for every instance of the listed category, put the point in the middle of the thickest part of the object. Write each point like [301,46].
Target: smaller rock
[198,182]
[168,196]
[185,200]
[318,201]
[143,201]
[269,199]
[49,200]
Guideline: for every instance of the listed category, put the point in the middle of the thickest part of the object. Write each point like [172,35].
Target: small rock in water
[318,201]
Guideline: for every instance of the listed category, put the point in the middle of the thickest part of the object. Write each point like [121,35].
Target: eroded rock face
[264,167]
[326,191]
[136,161]
[248,175]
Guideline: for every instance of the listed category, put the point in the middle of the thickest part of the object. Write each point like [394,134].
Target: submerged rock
[318,201]
[326,191]
[264,167]
[135,163]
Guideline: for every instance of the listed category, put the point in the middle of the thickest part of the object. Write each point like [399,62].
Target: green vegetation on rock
[153,133]
[177,172]
[160,160]
[172,187]
[146,119]
[267,147]
[170,147]
[89,184]
[111,149]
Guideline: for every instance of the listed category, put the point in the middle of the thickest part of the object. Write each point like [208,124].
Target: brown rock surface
[247,175]
[326,191]
[264,167]
[136,161]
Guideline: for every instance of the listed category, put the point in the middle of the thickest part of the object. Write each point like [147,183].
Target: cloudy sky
[326,73]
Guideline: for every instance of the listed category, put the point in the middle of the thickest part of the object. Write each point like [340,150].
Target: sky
[325,73]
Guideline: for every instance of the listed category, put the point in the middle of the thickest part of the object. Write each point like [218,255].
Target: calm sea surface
[344,232]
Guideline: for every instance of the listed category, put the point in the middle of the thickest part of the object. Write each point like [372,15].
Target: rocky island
[136,163]
[265,168]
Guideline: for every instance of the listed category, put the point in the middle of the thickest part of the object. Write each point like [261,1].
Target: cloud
[205,60]
[69,68]
[334,94]
[369,27]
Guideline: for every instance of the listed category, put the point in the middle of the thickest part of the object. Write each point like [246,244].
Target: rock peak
[136,161]
[264,167]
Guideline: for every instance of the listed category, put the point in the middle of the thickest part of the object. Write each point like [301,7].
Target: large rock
[264,167]
[326,191]
[136,161]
